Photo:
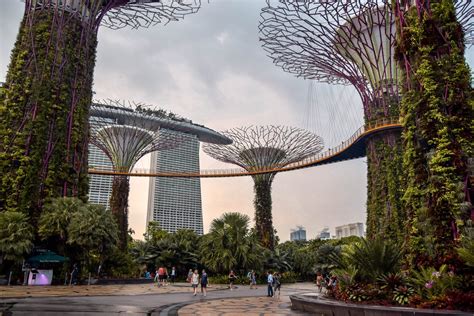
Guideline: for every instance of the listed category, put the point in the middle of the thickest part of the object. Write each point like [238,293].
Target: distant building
[298,234]
[354,229]
[325,234]
[100,186]
[175,203]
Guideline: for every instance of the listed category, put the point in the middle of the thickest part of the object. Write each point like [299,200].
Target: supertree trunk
[44,111]
[119,207]
[437,110]
[263,210]
[385,216]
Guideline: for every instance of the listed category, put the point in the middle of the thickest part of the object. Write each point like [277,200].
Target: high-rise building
[100,186]
[325,234]
[298,234]
[173,202]
[354,229]
[176,202]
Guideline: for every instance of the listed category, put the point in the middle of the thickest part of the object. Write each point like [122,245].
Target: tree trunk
[119,207]
[263,209]
[44,112]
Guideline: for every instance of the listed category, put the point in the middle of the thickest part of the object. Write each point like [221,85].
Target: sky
[211,68]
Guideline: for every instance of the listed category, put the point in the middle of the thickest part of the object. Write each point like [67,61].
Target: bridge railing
[330,152]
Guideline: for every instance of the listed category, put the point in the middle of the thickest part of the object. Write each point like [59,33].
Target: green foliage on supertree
[438,111]
[119,207]
[44,111]
[385,215]
[263,210]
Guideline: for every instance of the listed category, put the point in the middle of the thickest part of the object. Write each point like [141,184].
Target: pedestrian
[74,274]
[165,276]
[253,280]
[173,274]
[277,283]
[232,278]
[319,281]
[269,284]
[190,275]
[161,276]
[204,282]
[195,281]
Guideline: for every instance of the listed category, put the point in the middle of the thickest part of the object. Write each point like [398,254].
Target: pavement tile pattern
[248,306]
[94,290]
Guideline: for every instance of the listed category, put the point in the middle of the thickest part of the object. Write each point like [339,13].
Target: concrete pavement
[172,302]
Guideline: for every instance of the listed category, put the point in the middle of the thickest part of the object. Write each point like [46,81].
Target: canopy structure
[46,257]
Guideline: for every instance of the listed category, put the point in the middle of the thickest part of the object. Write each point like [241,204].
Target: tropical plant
[466,250]
[402,294]
[57,215]
[230,245]
[16,236]
[94,230]
[372,258]
[429,282]
[277,260]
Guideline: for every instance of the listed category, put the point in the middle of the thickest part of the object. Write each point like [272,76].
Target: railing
[320,158]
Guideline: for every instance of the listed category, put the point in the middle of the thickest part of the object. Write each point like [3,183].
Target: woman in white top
[195,281]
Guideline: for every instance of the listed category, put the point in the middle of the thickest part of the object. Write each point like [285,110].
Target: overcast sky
[211,68]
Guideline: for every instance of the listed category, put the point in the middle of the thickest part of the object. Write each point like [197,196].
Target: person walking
[195,281]
[319,281]
[277,284]
[161,276]
[253,280]
[173,274]
[204,282]
[190,275]
[232,278]
[269,284]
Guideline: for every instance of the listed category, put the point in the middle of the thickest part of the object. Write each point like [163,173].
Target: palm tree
[230,244]
[94,230]
[57,215]
[16,236]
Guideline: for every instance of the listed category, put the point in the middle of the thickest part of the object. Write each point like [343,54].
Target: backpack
[249,275]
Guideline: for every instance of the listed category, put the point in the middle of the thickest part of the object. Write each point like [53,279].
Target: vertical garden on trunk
[44,106]
[437,110]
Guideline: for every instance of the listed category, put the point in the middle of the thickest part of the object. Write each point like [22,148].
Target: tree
[230,245]
[16,236]
[95,231]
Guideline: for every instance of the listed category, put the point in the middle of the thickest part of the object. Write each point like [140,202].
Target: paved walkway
[177,300]
[95,290]
[248,306]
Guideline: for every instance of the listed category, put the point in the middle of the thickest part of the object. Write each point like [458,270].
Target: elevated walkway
[352,148]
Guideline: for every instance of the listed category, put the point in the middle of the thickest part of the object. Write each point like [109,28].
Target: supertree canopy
[350,42]
[45,101]
[126,135]
[438,114]
[258,148]
[127,132]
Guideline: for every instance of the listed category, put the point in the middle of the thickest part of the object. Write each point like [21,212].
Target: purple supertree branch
[264,147]
[329,41]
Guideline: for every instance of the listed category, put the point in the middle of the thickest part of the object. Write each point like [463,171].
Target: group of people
[162,276]
[326,281]
[273,284]
[195,279]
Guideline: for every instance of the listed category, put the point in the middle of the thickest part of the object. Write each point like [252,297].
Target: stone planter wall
[325,307]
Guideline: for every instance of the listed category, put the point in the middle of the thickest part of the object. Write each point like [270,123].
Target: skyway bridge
[352,148]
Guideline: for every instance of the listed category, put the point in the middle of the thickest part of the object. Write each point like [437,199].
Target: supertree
[45,101]
[349,42]
[438,114]
[126,134]
[258,148]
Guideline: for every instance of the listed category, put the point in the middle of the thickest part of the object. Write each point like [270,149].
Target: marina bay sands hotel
[173,202]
